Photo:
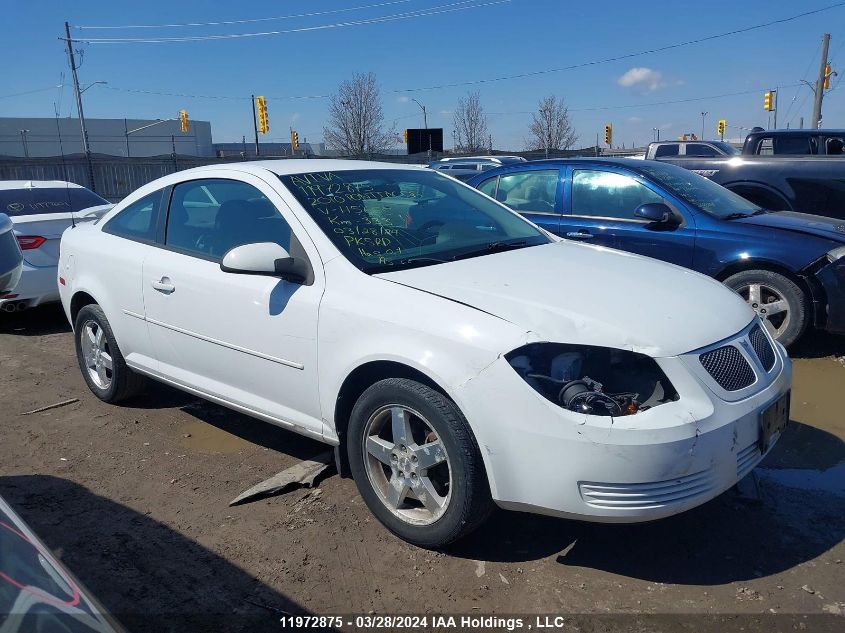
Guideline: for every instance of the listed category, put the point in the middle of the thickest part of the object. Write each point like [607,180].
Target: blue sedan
[790,267]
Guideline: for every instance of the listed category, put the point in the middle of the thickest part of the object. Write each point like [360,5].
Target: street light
[656,130]
[91,85]
[703,114]
[425,119]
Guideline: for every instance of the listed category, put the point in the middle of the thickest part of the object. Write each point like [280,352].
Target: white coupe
[454,354]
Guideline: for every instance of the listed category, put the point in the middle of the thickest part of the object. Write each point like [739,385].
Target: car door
[600,210]
[248,340]
[533,191]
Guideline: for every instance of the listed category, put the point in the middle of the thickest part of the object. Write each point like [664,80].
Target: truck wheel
[100,360]
[779,302]
[416,463]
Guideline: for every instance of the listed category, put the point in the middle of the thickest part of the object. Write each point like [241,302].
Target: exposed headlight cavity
[593,380]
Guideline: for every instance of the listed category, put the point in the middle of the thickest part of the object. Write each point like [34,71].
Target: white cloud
[646,78]
[294,117]
[635,119]
[403,99]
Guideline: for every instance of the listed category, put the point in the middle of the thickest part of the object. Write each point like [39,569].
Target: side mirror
[264,258]
[656,212]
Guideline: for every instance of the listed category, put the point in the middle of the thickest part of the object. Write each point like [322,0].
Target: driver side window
[608,195]
[210,216]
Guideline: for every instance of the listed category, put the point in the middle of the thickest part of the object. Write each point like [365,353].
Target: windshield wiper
[421,258]
[736,216]
[502,245]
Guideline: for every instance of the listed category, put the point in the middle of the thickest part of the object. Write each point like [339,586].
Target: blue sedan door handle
[581,235]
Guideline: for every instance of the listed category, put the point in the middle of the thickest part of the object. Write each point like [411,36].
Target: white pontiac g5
[454,354]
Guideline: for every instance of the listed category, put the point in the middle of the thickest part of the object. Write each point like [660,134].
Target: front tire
[100,360]
[778,301]
[416,463]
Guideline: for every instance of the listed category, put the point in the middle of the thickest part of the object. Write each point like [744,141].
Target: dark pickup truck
[806,183]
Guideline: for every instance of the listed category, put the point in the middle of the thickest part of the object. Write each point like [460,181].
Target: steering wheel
[429,225]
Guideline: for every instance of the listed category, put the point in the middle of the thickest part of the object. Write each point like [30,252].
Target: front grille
[655,494]
[728,368]
[762,347]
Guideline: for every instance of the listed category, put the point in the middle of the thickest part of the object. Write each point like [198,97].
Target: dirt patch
[135,500]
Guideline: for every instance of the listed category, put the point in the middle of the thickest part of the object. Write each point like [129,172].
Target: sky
[441,43]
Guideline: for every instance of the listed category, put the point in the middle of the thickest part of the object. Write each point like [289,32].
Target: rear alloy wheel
[416,463]
[100,359]
[777,300]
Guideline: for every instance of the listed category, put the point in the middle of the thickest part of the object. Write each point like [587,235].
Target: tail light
[29,242]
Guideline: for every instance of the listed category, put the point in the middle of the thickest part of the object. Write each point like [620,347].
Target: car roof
[287,166]
[799,132]
[38,184]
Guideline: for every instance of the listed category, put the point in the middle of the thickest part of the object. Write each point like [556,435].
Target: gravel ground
[134,499]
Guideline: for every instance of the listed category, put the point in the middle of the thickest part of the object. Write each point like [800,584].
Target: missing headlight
[593,380]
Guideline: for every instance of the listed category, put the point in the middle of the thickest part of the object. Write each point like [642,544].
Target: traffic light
[769,101]
[828,71]
[183,120]
[608,134]
[263,119]
[294,140]
[720,127]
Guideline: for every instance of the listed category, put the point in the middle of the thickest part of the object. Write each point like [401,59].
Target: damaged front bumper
[832,279]
[545,459]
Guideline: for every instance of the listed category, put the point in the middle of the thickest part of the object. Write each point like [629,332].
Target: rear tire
[416,463]
[779,302]
[100,360]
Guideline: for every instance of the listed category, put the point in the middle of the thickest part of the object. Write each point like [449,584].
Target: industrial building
[41,137]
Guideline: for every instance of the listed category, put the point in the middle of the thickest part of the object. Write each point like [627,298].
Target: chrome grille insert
[654,494]
[728,368]
[762,347]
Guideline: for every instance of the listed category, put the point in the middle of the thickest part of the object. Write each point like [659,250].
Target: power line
[627,55]
[246,21]
[803,77]
[419,13]
[29,92]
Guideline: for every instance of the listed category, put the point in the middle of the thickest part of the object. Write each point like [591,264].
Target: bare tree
[551,128]
[356,119]
[470,125]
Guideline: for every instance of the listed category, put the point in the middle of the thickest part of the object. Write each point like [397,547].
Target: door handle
[581,235]
[163,285]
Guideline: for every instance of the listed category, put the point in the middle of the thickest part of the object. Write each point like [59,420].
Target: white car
[455,354]
[40,211]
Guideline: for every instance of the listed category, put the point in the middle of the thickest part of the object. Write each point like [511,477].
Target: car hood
[575,293]
[829,228]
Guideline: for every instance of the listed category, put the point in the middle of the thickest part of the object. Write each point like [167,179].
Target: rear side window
[666,150]
[702,151]
[489,187]
[529,190]
[38,201]
[794,145]
[138,221]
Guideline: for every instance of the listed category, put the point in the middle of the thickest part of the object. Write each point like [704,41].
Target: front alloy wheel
[407,464]
[777,300]
[416,463]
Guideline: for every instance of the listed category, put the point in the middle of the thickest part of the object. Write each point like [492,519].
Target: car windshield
[730,150]
[389,219]
[700,192]
[41,200]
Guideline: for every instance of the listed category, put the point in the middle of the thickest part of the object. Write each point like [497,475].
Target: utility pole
[703,114]
[85,147]
[255,126]
[775,111]
[817,102]
[25,145]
